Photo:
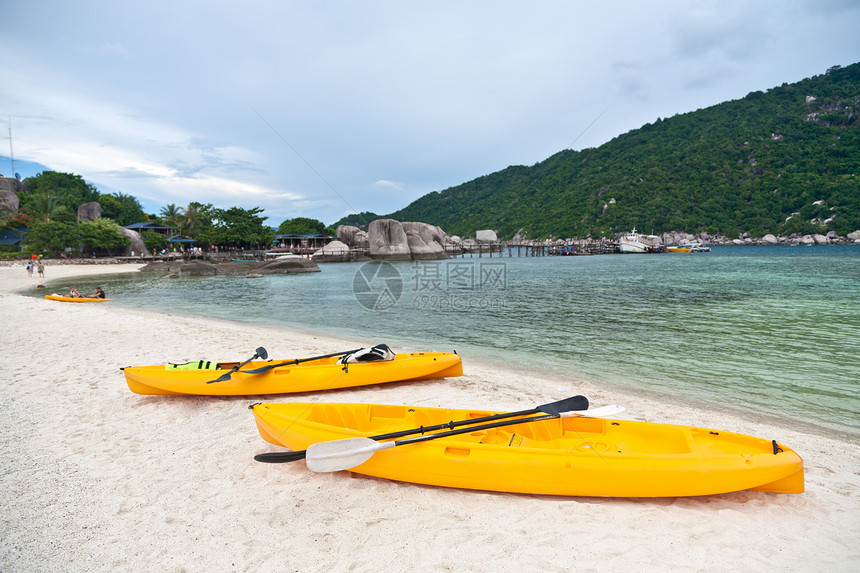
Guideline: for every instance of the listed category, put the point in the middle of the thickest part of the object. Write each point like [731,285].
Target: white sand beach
[96,478]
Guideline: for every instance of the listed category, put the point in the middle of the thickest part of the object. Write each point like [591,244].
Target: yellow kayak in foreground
[74,298]
[578,456]
[285,376]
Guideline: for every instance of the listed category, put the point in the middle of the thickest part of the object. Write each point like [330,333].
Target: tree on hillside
[102,234]
[53,236]
[45,206]
[171,216]
[239,227]
[71,190]
[302,226]
[124,209]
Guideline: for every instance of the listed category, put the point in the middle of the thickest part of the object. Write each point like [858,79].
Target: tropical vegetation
[782,161]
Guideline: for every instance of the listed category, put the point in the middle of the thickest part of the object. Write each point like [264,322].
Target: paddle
[260,353]
[296,361]
[566,405]
[339,455]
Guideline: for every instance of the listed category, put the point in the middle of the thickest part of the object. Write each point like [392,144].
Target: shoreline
[98,478]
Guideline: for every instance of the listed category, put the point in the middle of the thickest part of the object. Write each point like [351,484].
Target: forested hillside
[782,161]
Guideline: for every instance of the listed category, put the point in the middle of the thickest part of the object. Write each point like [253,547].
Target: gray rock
[486,236]
[425,241]
[289,264]
[12,184]
[334,252]
[91,211]
[9,200]
[352,236]
[388,240]
[137,245]
[769,239]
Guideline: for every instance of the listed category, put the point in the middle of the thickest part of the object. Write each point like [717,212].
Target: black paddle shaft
[574,403]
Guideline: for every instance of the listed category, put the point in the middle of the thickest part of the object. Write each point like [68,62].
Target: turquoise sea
[769,330]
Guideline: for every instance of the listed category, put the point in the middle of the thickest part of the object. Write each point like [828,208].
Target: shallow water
[769,330]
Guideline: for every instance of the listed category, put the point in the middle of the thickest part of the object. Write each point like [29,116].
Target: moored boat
[257,377]
[633,242]
[577,455]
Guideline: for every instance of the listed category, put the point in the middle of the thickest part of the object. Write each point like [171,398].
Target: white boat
[633,243]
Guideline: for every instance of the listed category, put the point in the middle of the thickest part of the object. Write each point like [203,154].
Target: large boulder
[351,236]
[91,211]
[334,252]
[289,264]
[11,184]
[854,236]
[388,240]
[820,239]
[425,241]
[486,236]
[769,240]
[9,200]
[137,245]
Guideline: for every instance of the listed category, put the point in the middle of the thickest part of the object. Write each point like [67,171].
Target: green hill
[759,165]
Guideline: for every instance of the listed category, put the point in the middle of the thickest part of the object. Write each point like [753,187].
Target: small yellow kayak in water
[287,376]
[74,298]
[576,455]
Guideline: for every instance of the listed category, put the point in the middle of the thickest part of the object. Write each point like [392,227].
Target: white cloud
[409,98]
[388,185]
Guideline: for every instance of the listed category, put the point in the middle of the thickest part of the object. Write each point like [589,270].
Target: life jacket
[378,352]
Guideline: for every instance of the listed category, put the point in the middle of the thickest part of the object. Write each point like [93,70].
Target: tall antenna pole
[11,155]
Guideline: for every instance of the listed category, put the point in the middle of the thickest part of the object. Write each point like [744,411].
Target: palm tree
[190,219]
[46,206]
[172,215]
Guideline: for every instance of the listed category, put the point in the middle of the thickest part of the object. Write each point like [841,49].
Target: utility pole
[11,155]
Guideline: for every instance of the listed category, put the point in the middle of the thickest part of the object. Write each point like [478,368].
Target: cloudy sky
[320,109]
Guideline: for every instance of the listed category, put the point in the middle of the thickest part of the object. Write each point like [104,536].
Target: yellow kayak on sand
[576,455]
[287,376]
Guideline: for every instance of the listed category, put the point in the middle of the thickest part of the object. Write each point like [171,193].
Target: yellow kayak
[74,298]
[576,455]
[287,376]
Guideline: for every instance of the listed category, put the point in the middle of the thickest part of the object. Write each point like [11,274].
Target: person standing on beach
[29,269]
[41,269]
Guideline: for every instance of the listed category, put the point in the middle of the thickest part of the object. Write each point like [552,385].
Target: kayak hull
[577,456]
[322,374]
[74,298]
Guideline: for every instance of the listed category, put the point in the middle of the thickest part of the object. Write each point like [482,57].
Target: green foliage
[124,209]
[740,166]
[361,220]
[239,227]
[302,226]
[53,236]
[46,206]
[71,190]
[154,240]
[102,234]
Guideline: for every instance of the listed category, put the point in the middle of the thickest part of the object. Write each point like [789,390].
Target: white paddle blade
[338,455]
[602,412]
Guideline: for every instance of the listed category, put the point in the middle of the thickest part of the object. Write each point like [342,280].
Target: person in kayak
[73,292]
[99,293]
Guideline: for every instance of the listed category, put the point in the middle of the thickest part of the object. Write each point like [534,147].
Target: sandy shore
[95,478]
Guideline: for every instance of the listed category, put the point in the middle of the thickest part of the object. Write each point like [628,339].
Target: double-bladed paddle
[555,408]
[226,376]
[297,361]
[259,353]
[345,454]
